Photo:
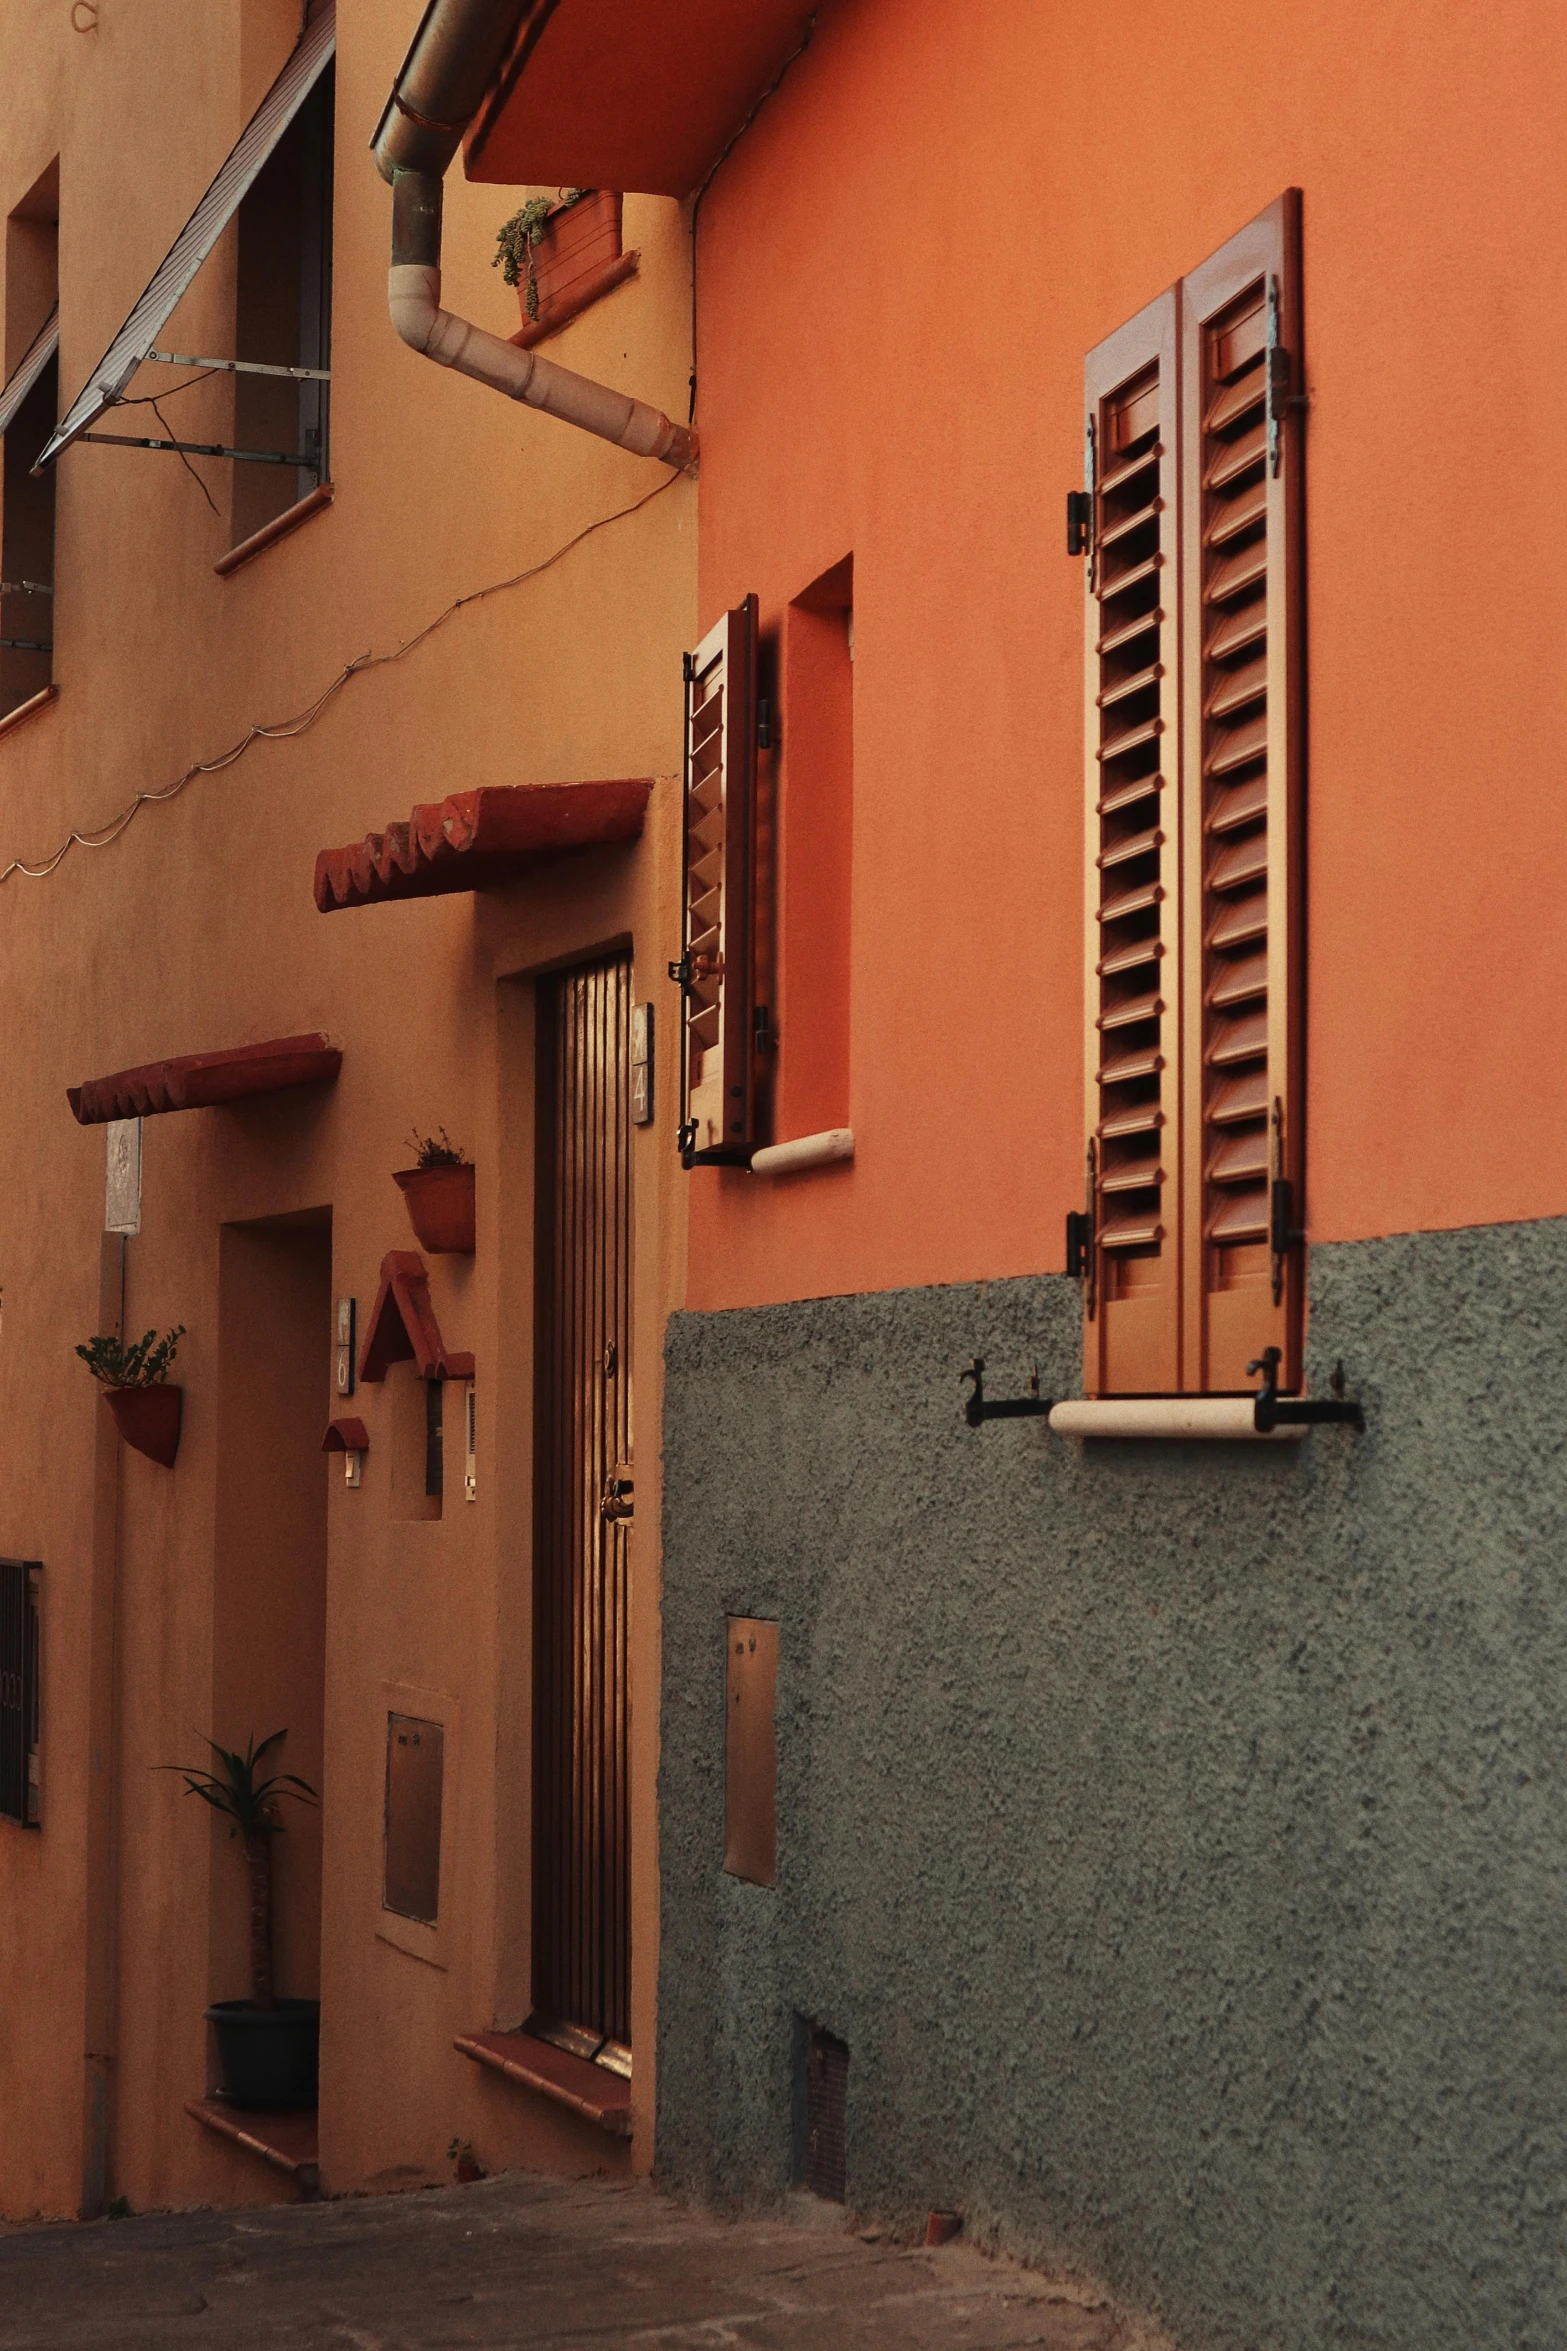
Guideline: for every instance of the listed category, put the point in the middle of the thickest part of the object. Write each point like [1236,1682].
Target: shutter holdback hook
[980,1407]
[1273,1411]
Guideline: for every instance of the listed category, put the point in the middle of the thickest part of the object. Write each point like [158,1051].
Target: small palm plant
[250,1805]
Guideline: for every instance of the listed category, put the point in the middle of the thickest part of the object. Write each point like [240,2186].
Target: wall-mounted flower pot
[268,2057]
[149,1419]
[440,1208]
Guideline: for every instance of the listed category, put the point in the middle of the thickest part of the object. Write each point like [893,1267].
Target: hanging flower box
[577,260]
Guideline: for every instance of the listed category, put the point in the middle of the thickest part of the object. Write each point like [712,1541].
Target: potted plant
[517,242]
[267,2047]
[439,1193]
[146,1407]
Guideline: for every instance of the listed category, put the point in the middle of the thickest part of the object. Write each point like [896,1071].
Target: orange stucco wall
[196,929]
[900,269]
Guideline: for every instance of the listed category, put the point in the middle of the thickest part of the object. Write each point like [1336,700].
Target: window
[414,1758]
[29,406]
[815,857]
[720,1046]
[283,317]
[1188,1247]
[19,1691]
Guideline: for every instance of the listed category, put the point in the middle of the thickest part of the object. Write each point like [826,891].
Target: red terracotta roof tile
[197,1081]
[402,1324]
[472,840]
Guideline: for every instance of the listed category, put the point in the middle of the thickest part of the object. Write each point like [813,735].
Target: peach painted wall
[901,268]
[197,929]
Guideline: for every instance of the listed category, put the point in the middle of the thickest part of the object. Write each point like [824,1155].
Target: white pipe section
[414,298]
[1166,1416]
[776,1159]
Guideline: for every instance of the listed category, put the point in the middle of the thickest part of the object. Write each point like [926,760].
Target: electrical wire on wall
[284,730]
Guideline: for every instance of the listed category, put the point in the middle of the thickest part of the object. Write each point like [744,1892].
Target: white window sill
[1231,1418]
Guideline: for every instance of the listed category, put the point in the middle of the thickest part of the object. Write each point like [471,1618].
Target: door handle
[617,1502]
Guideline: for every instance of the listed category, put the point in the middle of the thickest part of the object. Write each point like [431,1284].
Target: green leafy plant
[250,1805]
[432,1152]
[144,1364]
[517,239]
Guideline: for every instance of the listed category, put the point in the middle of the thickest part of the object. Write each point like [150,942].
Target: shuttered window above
[718,1103]
[1193,780]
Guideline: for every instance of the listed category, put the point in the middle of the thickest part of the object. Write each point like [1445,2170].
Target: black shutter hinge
[766,1036]
[1272,1411]
[685,1142]
[680,973]
[979,1407]
[1079,1242]
[688,666]
[1079,521]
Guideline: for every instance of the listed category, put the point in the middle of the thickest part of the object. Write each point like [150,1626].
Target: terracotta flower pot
[440,1208]
[149,1419]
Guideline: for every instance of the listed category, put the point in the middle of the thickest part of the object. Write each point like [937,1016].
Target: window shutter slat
[1241,652]
[1133,906]
[718,1107]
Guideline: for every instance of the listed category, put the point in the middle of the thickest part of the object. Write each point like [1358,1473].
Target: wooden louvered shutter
[718,1109]
[1132,1292]
[1242,648]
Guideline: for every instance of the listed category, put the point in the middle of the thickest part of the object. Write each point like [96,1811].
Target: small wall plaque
[122,1189]
[751,1751]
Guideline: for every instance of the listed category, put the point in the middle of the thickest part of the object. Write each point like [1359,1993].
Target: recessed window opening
[283,319]
[824,2169]
[20,1707]
[417,1450]
[815,857]
[415,1757]
[32,269]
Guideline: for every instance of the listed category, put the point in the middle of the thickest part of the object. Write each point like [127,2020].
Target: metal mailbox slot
[751,1751]
[413,1817]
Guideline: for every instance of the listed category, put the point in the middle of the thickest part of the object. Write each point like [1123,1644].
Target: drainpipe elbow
[414,300]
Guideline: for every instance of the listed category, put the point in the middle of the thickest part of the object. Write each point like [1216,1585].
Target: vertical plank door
[582,1567]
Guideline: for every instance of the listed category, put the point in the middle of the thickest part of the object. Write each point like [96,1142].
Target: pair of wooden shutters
[1189,1257]
[719,1043]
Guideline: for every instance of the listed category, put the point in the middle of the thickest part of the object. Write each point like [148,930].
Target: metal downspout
[455,55]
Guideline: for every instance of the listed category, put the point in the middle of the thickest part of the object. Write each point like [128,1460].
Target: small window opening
[434,1422]
[20,1704]
[418,1442]
[283,318]
[414,1763]
[32,275]
[825,2166]
[815,857]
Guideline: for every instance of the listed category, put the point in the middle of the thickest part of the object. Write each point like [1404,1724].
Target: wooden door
[582,1505]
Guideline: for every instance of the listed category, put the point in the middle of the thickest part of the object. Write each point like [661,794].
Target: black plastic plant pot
[268,2056]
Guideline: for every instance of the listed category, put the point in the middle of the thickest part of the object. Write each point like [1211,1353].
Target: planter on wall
[267,2056]
[149,1419]
[576,261]
[440,1208]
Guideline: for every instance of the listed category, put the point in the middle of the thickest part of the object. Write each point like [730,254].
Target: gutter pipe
[456,52]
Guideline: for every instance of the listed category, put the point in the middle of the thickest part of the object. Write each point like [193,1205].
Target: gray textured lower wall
[1176,1834]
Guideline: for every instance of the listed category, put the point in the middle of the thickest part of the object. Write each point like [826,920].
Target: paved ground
[542,2264]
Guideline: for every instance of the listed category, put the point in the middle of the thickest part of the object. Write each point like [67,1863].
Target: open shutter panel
[1132,1329]
[718,1106]
[1241,507]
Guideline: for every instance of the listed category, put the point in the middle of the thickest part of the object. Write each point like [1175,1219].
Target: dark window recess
[283,316]
[434,1448]
[19,1707]
[32,247]
[413,1817]
[826,2115]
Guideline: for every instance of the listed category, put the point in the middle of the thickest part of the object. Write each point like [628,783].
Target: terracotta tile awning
[475,839]
[200,1081]
[403,1326]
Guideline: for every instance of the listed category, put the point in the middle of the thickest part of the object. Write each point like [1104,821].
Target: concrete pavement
[540,2264]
